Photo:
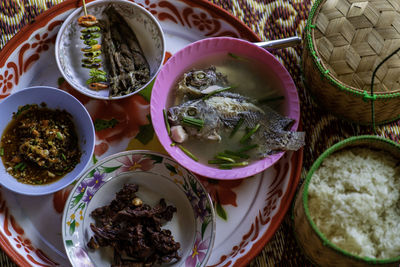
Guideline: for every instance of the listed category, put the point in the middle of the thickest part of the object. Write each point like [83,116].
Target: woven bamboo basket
[314,244]
[345,41]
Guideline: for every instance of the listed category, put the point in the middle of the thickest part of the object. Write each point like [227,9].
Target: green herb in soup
[220,113]
[40,145]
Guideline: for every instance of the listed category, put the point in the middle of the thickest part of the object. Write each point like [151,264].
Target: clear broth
[250,79]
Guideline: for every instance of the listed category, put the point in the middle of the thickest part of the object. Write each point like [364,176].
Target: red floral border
[13,231]
[264,218]
[14,71]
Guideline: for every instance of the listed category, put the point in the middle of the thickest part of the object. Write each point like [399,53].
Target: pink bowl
[182,61]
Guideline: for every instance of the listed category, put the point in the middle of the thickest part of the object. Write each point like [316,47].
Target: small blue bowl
[54,99]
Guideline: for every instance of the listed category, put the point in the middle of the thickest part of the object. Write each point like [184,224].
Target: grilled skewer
[90,34]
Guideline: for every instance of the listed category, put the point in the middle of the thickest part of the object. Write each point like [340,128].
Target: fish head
[201,78]
[198,110]
[201,81]
[191,109]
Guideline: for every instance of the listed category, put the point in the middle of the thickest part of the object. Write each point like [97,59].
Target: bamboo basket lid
[353,37]
[345,42]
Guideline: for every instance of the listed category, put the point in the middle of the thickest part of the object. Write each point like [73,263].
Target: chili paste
[40,145]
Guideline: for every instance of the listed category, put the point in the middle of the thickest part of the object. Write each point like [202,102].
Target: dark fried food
[133,229]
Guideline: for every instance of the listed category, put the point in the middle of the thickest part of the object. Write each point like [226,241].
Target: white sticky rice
[354,200]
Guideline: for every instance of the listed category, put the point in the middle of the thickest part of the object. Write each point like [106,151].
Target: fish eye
[191,111]
[200,75]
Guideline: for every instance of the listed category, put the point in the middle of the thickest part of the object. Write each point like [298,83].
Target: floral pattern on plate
[131,166]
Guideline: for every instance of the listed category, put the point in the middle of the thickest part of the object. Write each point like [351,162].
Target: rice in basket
[347,212]
[354,199]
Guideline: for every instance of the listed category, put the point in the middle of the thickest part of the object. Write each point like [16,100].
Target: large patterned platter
[248,211]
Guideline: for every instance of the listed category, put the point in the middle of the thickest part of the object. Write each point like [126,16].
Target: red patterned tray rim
[284,207]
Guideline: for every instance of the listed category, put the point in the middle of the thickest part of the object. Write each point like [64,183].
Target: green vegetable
[227,159]
[63,156]
[90,36]
[90,42]
[23,167]
[166,122]
[95,72]
[249,134]
[19,165]
[187,152]
[92,54]
[224,154]
[231,165]
[233,55]
[1,151]
[237,154]
[59,136]
[93,48]
[198,123]
[96,79]
[237,126]
[91,29]
[22,109]
[216,161]
[91,60]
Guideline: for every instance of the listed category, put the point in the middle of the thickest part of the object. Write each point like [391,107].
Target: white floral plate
[248,211]
[158,176]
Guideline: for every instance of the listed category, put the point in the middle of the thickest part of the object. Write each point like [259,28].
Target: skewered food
[92,51]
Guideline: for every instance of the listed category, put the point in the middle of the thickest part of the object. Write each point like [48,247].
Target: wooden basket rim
[338,146]
[324,71]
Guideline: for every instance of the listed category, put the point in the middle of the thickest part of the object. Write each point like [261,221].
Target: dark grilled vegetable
[92,51]
[92,29]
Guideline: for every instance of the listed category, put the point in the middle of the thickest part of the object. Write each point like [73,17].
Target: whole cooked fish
[223,111]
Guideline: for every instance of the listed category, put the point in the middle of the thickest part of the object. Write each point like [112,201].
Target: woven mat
[270,19]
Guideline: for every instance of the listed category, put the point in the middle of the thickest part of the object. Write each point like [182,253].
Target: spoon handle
[280,43]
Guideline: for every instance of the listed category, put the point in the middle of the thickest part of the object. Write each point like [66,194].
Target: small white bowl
[158,176]
[68,44]
[54,99]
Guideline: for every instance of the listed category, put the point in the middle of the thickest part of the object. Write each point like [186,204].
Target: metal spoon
[280,43]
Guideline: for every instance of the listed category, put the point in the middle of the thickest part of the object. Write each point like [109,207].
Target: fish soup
[225,111]
[247,78]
